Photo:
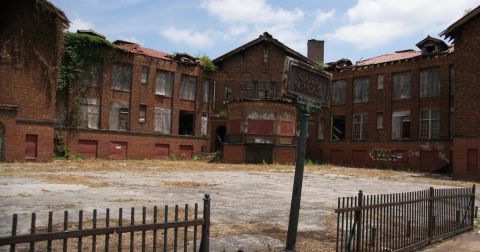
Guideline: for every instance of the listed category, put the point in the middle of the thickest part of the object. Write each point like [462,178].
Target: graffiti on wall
[384,155]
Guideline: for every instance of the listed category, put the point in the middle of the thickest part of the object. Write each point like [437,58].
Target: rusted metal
[403,221]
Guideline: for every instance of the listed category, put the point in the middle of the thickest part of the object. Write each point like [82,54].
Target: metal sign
[303,80]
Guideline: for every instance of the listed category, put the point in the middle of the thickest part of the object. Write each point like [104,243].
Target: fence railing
[403,221]
[259,139]
[142,236]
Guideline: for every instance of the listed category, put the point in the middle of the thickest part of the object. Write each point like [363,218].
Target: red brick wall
[233,153]
[284,154]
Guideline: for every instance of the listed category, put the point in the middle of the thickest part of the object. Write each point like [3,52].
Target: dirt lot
[250,203]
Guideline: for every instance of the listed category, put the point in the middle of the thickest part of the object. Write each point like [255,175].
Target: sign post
[308,88]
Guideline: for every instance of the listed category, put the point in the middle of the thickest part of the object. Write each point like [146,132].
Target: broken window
[92,75]
[247,89]
[321,126]
[144,75]
[429,124]
[90,113]
[119,116]
[380,81]
[228,92]
[163,120]
[163,83]
[401,125]
[360,127]
[187,88]
[204,128]
[360,89]
[264,90]
[429,82]
[185,124]
[379,120]
[121,77]
[206,85]
[401,85]
[142,114]
[338,127]
[338,92]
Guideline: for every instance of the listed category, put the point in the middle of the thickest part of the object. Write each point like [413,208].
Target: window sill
[118,90]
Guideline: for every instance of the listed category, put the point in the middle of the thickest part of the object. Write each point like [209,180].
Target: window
[31,145]
[119,116]
[264,90]
[187,88]
[401,85]
[228,92]
[121,77]
[163,83]
[185,124]
[379,120]
[338,127]
[380,81]
[247,89]
[451,79]
[92,75]
[360,89]
[429,83]
[338,92]
[144,75]
[142,114]
[401,125]
[321,126]
[204,129]
[206,90]
[360,127]
[429,124]
[89,114]
[163,120]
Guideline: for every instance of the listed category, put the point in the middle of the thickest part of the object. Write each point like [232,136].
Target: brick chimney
[315,50]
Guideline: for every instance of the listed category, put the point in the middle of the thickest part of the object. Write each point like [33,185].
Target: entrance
[2,140]
[259,153]
[220,138]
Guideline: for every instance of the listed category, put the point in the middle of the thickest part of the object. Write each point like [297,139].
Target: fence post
[472,198]
[204,245]
[358,220]
[430,215]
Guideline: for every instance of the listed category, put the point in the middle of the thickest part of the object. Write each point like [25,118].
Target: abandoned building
[413,109]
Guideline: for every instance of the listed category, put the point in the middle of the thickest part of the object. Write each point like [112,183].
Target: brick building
[31,41]
[466,135]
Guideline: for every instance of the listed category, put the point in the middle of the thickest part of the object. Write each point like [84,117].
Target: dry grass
[186,184]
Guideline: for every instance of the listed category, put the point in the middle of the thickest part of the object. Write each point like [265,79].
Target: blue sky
[352,29]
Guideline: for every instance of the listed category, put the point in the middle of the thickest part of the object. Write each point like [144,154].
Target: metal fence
[403,221]
[259,139]
[87,235]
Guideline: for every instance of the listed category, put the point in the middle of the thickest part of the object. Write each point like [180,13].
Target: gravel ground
[250,204]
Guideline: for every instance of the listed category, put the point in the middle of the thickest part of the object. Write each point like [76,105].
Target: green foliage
[172,157]
[320,65]
[60,150]
[206,64]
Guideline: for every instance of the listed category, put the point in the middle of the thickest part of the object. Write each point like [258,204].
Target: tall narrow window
[121,77]
[338,92]
[204,128]
[380,81]
[430,82]
[163,83]
[429,124]
[142,114]
[228,92]
[119,116]
[123,119]
[360,127]
[188,88]
[163,120]
[144,75]
[206,89]
[90,114]
[338,127]
[361,89]
[379,120]
[401,85]
[401,125]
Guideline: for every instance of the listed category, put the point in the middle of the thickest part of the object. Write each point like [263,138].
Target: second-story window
[90,114]
[121,77]
[228,92]
[206,90]
[401,85]
[338,92]
[188,87]
[430,82]
[144,75]
[380,81]
[92,75]
[361,89]
[163,83]
[360,127]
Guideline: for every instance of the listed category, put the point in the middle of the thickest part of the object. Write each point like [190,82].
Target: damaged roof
[52,8]
[451,31]
[398,55]
[268,38]
[137,49]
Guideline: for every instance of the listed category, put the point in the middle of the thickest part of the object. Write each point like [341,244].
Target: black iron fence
[133,236]
[403,221]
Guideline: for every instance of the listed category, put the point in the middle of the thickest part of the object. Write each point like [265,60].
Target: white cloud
[189,37]
[79,24]
[376,22]
[321,16]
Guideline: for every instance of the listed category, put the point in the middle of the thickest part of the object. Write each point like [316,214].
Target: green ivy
[206,64]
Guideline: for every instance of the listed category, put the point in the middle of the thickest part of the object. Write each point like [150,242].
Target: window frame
[336,89]
[394,83]
[429,120]
[364,89]
[121,87]
[227,95]
[142,73]
[363,131]
[435,86]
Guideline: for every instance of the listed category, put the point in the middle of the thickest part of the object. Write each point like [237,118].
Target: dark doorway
[259,153]
[338,128]
[220,137]
[2,140]
[185,124]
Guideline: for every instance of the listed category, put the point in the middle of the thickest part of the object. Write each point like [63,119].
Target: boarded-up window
[187,87]
[87,148]
[361,89]
[379,120]
[30,146]
[429,124]
[206,89]
[401,125]
[338,92]
[321,127]
[163,120]
[401,85]
[163,83]
[144,75]
[92,75]
[121,77]
[429,83]
[119,116]
[89,114]
[360,127]
[162,151]
[204,128]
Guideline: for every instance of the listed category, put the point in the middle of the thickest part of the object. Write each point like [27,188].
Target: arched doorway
[2,140]
[220,138]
